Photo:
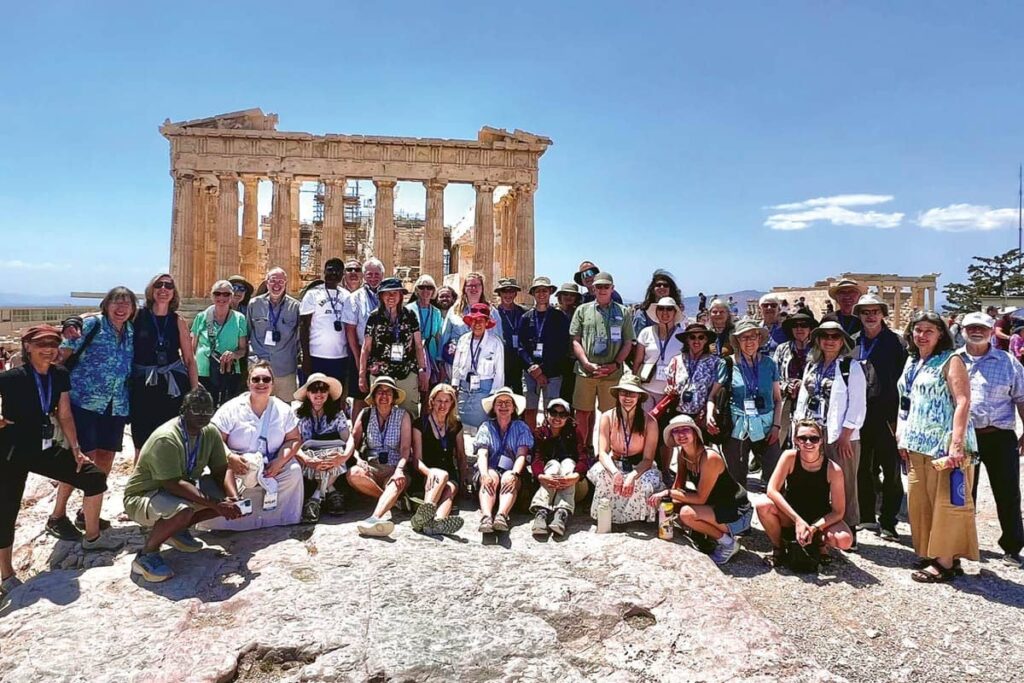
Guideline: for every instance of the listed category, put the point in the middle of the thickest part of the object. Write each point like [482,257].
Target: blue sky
[888,133]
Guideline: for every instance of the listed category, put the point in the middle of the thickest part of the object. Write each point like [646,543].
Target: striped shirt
[502,454]
[997,387]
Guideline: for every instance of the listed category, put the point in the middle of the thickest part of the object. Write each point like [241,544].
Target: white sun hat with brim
[665,302]
[871,300]
[333,386]
[520,401]
[676,423]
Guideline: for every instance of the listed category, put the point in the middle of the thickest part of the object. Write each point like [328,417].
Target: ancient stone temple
[218,162]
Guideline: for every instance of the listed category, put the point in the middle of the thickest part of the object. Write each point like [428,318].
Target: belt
[990,430]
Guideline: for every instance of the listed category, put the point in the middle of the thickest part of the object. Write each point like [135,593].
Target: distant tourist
[273,320]
[219,339]
[702,302]
[559,465]
[501,446]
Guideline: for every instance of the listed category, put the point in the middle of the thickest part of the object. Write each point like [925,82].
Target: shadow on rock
[60,587]
[992,587]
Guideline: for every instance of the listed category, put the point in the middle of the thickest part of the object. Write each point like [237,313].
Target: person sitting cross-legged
[559,464]
[164,493]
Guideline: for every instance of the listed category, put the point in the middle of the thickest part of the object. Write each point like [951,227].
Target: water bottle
[665,516]
[604,516]
[957,488]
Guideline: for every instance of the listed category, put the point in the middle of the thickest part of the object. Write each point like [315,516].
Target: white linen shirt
[324,340]
[847,407]
[490,361]
[237,419]
[648,339]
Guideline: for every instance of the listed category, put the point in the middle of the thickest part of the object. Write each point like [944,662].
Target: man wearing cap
[846,292]
[883,354]
[274,332]
[164,494]
[321,327]
[543,346]
[769,305]
[602,333]
[997,398]
[357,311]
[511,314]
[584,277]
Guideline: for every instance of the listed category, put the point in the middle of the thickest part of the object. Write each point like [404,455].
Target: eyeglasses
[808,438]
[318,388]
[353,270]
[557,414]
[664,309]
[871,311]
[602,286]
[831,335]
[163,284]
[802,325]
[223,293]
[261,379]
[769,305]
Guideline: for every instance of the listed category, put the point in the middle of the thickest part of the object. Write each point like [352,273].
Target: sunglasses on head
[589,272]
[318,388]
[808,438]
[163,284]
[261,379]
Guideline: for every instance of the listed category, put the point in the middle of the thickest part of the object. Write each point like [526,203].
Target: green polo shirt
[163,458]
[597,328]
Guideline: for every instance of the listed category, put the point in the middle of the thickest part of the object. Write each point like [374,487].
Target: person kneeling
[164,494]
[501,446]
[717,506]
[558,463]
[805,494]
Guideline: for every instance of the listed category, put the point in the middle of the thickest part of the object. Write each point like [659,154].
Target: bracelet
[776,426]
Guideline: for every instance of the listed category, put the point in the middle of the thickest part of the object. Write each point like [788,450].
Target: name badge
[600,346]
[538,351]
[474,383]
[269,501]
[661,373]
[515,341]
[162,358]
[504,463]
[750,407]
[397,352]
[905,404]
[268,339]
[617,333]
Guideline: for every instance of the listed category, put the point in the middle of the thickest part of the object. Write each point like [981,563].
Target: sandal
[941,574]
[311,511]
[776,559]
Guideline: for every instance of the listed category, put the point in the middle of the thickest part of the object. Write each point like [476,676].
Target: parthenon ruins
[211,157]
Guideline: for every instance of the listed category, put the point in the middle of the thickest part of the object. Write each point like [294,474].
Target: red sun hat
[479,312]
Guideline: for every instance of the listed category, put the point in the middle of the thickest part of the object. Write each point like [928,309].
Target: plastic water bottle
[604,516]
[957,488]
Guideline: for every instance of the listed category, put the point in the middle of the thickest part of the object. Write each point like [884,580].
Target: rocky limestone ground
[322,604]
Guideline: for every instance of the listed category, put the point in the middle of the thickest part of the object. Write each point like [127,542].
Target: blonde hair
[175,297]
[452,418]
[460,303]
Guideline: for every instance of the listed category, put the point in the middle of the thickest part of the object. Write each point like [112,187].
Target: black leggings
[54,463]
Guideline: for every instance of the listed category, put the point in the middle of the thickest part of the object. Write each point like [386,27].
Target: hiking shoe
[80,522]
[101,542]
[185,542]
[500,522]
[777,558]
[372,526]
[486,525]
[446,526]
[9,584]
[725,549]
[888,533]
[540,522]
[423,516]
[334,502]
[63,529]
[311,511]
[1011,560]
[755,464]
[557,526]
[151,567]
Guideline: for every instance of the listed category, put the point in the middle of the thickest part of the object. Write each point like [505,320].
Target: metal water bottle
[957,488]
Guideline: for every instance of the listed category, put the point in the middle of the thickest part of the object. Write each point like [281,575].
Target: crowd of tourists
[267,409]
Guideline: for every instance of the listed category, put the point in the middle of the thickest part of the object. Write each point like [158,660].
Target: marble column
[211,238]
[183,229]
[279,243]
[384,223]
[250,228]
[228,254]
[897,312]
[332,236]
[432,249]
[294,265]
[483,234]
[524,239]
[508,256]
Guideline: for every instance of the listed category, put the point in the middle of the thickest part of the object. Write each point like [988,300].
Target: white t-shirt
[236,419]
[324,340]
[361,303]
[648,339]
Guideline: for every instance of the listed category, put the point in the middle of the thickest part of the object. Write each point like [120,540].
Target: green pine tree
[1000,275]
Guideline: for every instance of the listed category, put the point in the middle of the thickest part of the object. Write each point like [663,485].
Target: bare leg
[165,528]
[6,568]
[388,498]
[103,459]
[440,484]
[60,505]
[508,499]
[487,499]
[444,506]
[91,511]
[839,536]
[362,482]
[701,518]
[771,520]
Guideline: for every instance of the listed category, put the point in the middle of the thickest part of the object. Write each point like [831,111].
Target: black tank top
[435,454]
[149,330]
[808,492]
[725,493]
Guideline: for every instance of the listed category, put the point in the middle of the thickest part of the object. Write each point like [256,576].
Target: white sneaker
[727,547]
[372,526]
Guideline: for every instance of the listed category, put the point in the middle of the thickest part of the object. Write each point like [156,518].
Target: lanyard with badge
[815,404]
[691,367]
[504,460]
[751,406]
[511,325]
[865,350]
[540,319]
[613,334]
[627,439]
[273,335]
[440,434]
[162,357]
[191,451]
[333,301]
[397,354]
[661,370]
[474,358]
[425,325]
[911,378]
[45,401]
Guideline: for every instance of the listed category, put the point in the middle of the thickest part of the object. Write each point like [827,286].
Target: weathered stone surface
[323,604]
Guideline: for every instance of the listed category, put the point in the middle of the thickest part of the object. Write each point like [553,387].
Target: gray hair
[277,269]
[374,262]
[221,284]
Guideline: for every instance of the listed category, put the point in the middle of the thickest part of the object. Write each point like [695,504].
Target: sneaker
[888,533]
[80,522]
[423,516]
[9,584]
[540,522]
[63,529]
[446,526]
[725,549]
[185,542]
[557,525]
[311,511]
[151,567]
[334,502]
[372,526]
[755,464]
[500,522]
[101,542]
[853,546]
[1012,560]
[869,526]
[486,525]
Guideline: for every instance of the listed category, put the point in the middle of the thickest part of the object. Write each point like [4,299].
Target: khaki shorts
[149,508]
[590,389]
[285,387]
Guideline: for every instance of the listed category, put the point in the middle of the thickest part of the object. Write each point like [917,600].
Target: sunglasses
[45,343]
[199,416]
[831,335]
[261,379]
[680,430]
[430,287]
[769,305]
[699,337]
[661,284]
[806,438]
[223,293]
[353,270]
[602,286]
[558,414]
[664,309]
[238,288]
[589,272]
[318,388]
[163,284]
[802,325]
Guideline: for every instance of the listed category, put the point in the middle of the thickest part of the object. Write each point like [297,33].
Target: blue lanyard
[474,356]
[514,324]
[754,372]
[664,347]
[396,325]
[690,367]
[830,371]
[540,320]
[912,375]
[45,397]
[607,319]
[161,330]
[372,297]
[865,350]
[503,439]
[627,437]
[332,300]
[280,306]
[191,452]
[443,439]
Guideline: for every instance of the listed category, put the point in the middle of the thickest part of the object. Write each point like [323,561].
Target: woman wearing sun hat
[717,506]
[626,473]
[324,430]
[791,359]
[692,372]
[663,285]
[656,346]
[501,447]
[478,365]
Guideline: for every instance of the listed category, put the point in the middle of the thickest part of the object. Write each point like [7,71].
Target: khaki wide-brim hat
[665,301]
[674,424]
[871,300]
[843,284]
[569,288]
[746,325]
[831,326]
[541,282]
[631,383]
[691,328]
[385,381]
[333,386]
[520,401]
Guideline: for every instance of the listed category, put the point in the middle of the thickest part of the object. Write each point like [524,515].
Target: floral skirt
[633,508]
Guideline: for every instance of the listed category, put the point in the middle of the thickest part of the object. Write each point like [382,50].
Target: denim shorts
[98,431]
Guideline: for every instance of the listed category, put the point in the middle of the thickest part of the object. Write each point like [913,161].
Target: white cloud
[800,215]
[15,264]
[967,217]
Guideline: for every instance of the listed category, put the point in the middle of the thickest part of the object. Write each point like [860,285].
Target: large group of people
[267,409]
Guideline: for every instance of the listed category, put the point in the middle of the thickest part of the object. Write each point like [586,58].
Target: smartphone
[245,506]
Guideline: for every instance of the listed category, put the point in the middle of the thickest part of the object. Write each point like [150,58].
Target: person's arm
[417,452]
[837,494]
[404,451]
[773,435]
[581,355]
[285,454]
[423,370]
[604,453]
[364,362]
[527,342]
[499,364]
[1000,333]
[307,359]
[188,354]
[355,439]
[778,479]
[960,387]
[714,465]
[236,463]
[709,408]
[650,449]
[67,425]
[638,358]
[461,461]
[187,490]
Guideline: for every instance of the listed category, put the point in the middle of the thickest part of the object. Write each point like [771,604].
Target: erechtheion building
[217,162]
[893,290]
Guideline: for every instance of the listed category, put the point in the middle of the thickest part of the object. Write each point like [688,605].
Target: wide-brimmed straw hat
[832,326]
[843,284]
[677,422]
[387,382]
[333,386]
[746,325]
[871,300]
[628,382]
[665,301]
[691,328]
[478,311]
[520,401]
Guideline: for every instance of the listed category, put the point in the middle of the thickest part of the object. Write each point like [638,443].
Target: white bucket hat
[665,302]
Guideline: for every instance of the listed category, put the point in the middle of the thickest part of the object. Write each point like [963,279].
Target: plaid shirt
[997,387]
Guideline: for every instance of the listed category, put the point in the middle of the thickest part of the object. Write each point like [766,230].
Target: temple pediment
[247,119]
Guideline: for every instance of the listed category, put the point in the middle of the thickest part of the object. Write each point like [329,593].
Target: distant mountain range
[9,300]
[740,297]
